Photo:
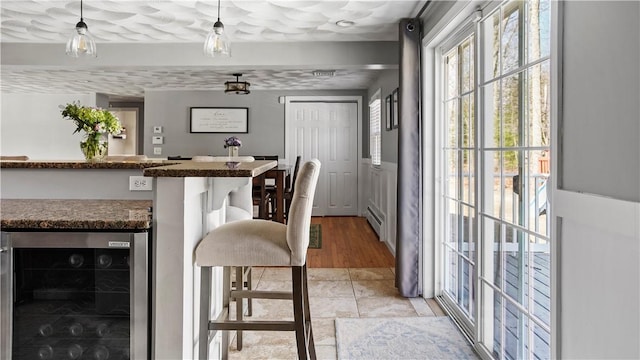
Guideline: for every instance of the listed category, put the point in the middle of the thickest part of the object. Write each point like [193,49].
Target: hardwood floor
[348,242]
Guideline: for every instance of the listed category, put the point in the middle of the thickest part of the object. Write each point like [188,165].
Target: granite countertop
[81,164]
[40,214]
[212,169]
[154,168]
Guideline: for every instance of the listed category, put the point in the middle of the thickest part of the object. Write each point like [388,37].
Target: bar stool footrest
[256,294]
[253,325]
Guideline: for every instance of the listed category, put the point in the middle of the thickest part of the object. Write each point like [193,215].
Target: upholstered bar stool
[262,243]
[239,207]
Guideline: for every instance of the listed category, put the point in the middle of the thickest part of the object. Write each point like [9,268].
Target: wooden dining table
[282,176]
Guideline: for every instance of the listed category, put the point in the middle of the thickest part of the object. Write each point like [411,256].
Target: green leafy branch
[93,121]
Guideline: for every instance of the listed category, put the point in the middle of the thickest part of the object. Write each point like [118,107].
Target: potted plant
[95,123]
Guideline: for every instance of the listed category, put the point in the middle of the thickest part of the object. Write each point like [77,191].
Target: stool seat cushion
[245,243]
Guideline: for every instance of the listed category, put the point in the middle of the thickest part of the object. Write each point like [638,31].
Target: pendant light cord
[81,10]
[218,9]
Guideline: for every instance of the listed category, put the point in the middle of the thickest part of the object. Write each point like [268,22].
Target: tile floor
[333,293]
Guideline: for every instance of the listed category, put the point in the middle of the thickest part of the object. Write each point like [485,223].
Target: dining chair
[288,191]
[210,158]
[14,157]
[259,242]
[266,157]
[126,158]
[261,197]
[177,157]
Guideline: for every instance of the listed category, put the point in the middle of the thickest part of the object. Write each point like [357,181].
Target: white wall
[381,197]
[31,125]
[70,184]
[170,109]
[386,82]
[378,186]
[596,205]
[601,96]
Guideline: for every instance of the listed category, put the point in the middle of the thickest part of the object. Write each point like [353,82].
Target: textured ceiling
[188,21]
[133,82]
[129,21]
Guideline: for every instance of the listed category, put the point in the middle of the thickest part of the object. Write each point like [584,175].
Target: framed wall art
[394,106]
[388,112]
[219,120]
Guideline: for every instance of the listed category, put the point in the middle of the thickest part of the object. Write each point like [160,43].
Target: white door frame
[349,98]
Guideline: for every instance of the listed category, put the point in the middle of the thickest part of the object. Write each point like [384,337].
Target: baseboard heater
[375,220]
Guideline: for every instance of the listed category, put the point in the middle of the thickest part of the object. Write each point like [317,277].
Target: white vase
[233,150]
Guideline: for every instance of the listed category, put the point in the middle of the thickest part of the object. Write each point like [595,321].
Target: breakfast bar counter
[188,199]
[81,164]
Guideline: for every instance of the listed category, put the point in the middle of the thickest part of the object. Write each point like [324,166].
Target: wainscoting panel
[380,200]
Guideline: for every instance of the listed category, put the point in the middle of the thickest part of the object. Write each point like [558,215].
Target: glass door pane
[495,154]
[71,304]
[459,194]
[513,213]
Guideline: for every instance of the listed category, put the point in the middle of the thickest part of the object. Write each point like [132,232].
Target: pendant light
[237,87]
[217,43]
[81,42]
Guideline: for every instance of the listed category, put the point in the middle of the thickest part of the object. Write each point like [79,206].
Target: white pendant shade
[217,43]
[81,42]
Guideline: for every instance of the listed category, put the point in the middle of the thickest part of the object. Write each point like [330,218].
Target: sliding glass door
[494,196]
[458,198]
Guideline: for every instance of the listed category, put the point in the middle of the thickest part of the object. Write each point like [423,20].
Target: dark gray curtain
[409,230]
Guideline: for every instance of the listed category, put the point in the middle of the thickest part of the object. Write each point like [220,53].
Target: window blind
[375,136]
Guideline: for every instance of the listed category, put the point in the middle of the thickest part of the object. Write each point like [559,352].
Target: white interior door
[328,131]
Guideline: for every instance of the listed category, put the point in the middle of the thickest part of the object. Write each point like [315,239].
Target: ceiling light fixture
[324,73]
[345,23]
[237,87]
[81,42]
[217,43]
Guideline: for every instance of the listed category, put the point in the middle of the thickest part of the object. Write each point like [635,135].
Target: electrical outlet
[157,129]
[157,151]
[157,140]
[140,183]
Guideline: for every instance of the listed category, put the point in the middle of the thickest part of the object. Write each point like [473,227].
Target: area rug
[315,236]
[401,338]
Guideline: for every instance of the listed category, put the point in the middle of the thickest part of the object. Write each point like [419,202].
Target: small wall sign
[219,120]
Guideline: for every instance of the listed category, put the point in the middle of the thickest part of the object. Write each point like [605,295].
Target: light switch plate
[157,151]
[157,140]
[157,129]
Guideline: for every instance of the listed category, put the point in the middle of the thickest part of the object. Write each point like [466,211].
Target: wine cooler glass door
[73,296]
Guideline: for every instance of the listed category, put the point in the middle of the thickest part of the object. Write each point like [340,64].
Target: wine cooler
[72,295]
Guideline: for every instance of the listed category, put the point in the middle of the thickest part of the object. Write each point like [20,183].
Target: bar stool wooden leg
[249,287]
[205,309]
[239,304]
[307,315]
[226,296]
[301,314]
